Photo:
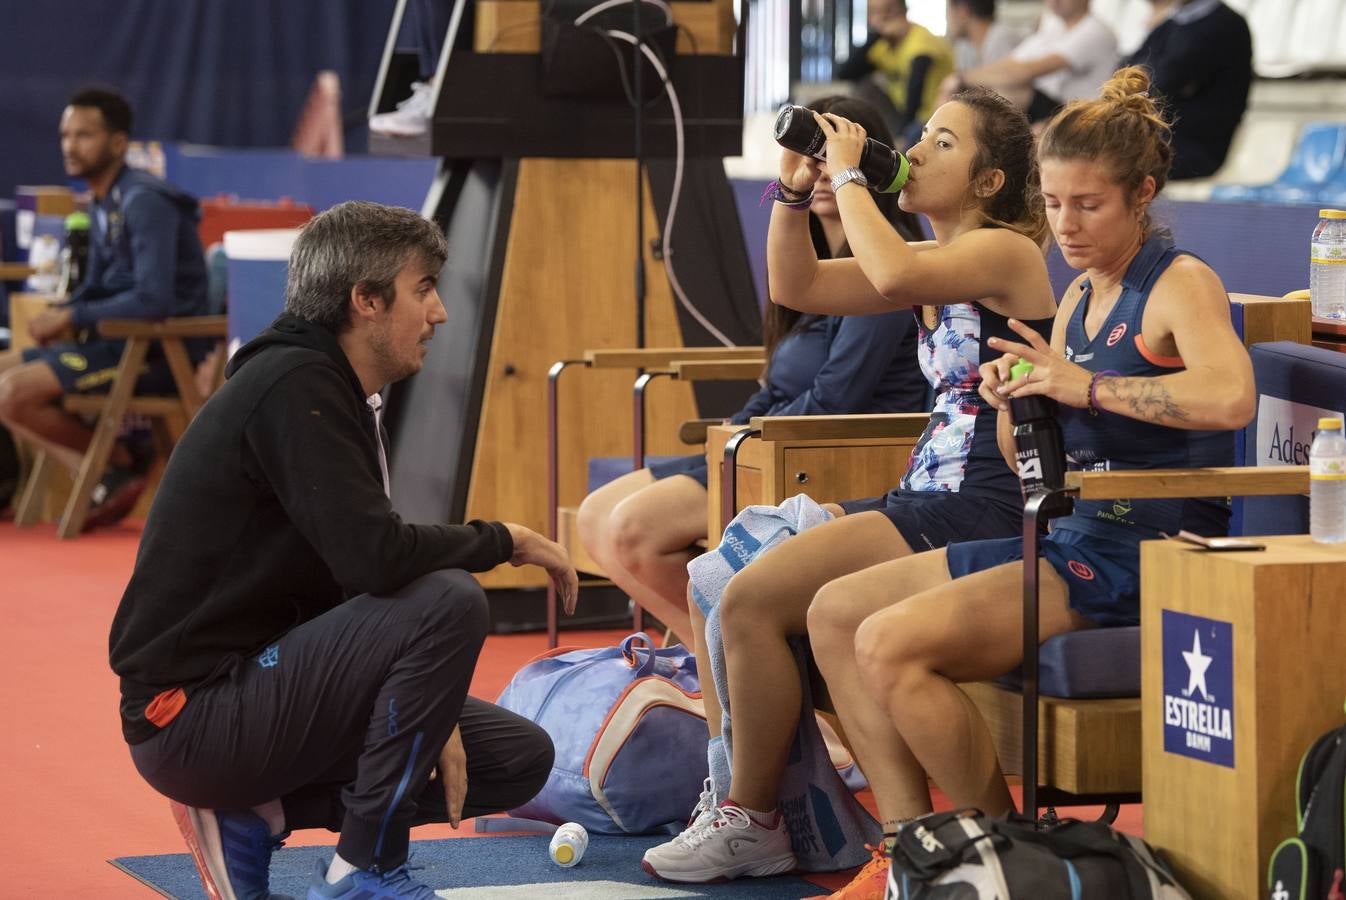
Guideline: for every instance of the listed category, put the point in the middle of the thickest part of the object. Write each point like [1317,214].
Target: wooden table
[22,308]
[1241,672]
[830,458]
[14,271]
[1330,334]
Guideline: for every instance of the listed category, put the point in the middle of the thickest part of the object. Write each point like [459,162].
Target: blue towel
[828,826]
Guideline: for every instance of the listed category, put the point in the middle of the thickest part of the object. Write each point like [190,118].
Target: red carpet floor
[71,797]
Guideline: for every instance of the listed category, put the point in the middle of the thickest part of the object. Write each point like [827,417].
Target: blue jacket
[145,258]
[843,364]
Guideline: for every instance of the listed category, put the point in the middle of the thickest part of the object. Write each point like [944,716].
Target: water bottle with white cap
[1327,483]
[1327,265]
[568,844]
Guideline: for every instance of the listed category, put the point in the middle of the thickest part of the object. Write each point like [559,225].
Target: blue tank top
[958,450]
[1108,441]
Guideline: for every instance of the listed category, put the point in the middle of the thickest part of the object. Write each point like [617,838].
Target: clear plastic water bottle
[1327,483]
[1327,265]
[44,255]
[568,844]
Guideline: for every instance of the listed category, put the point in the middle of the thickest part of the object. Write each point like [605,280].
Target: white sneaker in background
[728,844]
[412,116]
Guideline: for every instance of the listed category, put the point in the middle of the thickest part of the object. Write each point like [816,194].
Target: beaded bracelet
[1093,388]
[781,194]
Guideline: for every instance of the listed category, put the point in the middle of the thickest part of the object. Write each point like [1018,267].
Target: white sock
[764,818]
[339,869]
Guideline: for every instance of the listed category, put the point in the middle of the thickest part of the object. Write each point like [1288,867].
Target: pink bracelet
[1093,388]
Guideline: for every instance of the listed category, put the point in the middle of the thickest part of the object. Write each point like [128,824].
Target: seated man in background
[899,69]
[978,39]
[292,654]
[145,262]
[1069,56]
[1201,60]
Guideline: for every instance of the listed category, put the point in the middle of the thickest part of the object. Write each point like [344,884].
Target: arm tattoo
[1148,398]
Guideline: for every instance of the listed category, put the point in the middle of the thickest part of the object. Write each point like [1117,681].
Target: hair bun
[1129,88]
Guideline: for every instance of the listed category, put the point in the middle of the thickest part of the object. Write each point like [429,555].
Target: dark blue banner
[1198,687]
[232,73]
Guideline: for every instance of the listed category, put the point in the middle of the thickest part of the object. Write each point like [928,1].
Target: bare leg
[642,531]
[9,359]
[914,654]
[714,713]
[762,607]
[899,782]
[28,407]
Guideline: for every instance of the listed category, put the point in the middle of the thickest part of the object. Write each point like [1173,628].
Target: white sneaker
[412,116]
[726,844]
[704,809]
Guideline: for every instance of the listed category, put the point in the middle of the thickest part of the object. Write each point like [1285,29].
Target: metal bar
[554,480]
[1041,505]
[638,457]
[729,475]
[1050,796]
[638,418]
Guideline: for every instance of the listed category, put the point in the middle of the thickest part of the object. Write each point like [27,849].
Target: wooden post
[566,288]
[1219,807]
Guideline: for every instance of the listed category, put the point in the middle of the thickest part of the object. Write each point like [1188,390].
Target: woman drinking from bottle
[974,177]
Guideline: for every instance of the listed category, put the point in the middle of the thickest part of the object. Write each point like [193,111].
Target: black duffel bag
[972,856]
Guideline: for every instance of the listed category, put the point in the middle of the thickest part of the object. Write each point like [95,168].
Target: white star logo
[1197,664]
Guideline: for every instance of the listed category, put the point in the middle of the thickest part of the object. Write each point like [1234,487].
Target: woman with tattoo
[1147,373]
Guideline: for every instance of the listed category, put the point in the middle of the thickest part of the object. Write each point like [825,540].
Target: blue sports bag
[630,735]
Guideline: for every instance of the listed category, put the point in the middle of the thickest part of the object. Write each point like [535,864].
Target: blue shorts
[693,467]
[89,367]
[929,520]
[1102,577]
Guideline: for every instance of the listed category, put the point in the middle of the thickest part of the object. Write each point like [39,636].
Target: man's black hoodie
[271,512]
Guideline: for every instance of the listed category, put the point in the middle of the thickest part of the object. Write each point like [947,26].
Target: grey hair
[356,243]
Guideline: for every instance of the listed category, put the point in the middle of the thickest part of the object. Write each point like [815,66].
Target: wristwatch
[846,176]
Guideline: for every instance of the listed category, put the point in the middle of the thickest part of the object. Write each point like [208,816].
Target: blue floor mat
[491,868]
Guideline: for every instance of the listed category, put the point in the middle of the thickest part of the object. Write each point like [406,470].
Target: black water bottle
[75,253]
[884,168]
[1039,450]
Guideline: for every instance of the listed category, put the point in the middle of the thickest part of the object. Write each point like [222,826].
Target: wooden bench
[173,412]
[679,363]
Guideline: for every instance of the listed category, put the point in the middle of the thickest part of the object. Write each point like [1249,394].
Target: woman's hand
[1053,375]
[845,141]
[798,172]
[994,375]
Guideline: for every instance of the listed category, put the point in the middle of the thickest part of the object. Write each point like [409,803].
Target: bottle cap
[564,854]
[1332,213]
[1020,369]
[900,176]
[1328,423]
[77,221]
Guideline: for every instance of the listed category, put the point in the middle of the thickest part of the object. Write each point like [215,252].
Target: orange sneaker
[869,883]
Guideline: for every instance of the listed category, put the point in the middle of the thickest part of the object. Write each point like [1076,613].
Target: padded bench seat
[1092,664]
[603,469]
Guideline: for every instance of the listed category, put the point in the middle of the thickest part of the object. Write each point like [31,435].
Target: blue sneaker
[363,885]
[232,851]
